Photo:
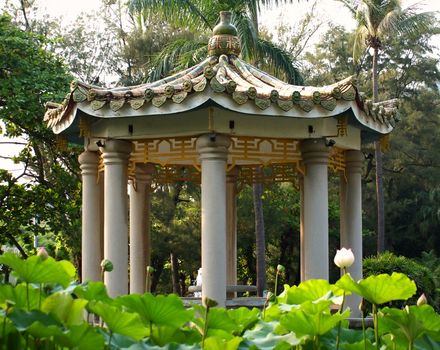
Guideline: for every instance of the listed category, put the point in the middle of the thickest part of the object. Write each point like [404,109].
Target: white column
[140,245]
[91,226]
[213,151]
[231,240]
[351,218]
[301,227]
[116,153]
[315,230]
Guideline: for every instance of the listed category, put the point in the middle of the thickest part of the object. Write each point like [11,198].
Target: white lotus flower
[344,258]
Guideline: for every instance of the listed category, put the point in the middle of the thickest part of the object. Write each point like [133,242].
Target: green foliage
[38,270]
[199,17]
[124,323]
[32,317]
[44,197]
[410,323]
[312,290]
[380,289]
[421,275]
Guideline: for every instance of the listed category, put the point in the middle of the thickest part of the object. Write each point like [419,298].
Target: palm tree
[377,19]
[200,16]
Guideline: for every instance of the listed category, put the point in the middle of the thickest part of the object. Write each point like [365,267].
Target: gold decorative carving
[336,161]
[61,143]
[263,151]
[250,174]
[173,173]
[341,127]
[177,159]
[385,143]
[166,151]
[84,127]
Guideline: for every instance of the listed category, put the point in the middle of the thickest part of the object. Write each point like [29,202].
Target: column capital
[116,151]
[143,173]
[314,151]
[88,162]
[354,161]
[213,146]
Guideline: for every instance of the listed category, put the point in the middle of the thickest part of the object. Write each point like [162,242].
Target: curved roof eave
[231,83]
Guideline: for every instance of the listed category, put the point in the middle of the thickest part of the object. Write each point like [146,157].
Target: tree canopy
[45,198]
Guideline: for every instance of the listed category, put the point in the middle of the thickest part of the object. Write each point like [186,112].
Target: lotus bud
[209,302]
[422,300]
[362,306]
[42,253]
[106,265]
[280,268]
[270,297]
[344,258]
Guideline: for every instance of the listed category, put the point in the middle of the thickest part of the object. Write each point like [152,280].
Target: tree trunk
[175,274]
[379,167]
[259,236]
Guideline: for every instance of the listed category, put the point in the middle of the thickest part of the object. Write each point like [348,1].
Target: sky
[326,10]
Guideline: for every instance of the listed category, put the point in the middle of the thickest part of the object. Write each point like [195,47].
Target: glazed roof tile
[230,82]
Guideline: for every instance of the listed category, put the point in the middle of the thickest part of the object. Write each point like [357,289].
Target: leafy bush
[422,276]
[47,309]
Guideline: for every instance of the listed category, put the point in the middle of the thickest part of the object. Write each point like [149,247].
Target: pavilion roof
[228,81]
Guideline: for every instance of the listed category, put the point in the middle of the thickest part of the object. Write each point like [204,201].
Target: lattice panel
[173,173]
[336,161]
[179,160]
[243,151]
[263,151]
[166,151]
[249,174]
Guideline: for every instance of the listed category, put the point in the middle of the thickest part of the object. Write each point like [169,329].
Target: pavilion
[217,122]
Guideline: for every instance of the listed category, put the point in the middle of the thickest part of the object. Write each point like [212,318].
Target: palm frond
[408,21]
[181,13]
[359,45]
[179,54]
[350,5]
[280,62]
[246,33]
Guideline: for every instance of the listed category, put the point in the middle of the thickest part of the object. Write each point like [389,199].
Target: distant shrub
[422,275]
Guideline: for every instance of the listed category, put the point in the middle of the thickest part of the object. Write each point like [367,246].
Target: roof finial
[224,40]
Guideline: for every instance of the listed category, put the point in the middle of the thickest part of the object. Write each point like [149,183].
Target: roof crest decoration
[225,73]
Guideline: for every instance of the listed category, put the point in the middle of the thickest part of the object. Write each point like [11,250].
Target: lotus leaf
[117,321]
[37,270]
[380,289]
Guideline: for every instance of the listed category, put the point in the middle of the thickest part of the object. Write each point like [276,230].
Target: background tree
[376,19]
[44,197]
[408,70]
[200,16]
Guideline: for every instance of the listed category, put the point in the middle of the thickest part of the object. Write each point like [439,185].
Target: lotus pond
[47,309]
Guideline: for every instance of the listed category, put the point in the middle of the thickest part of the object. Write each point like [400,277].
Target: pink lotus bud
[344,258]
[42,253]
[422,300]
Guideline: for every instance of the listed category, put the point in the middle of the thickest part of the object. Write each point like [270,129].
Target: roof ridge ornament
[224,40]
